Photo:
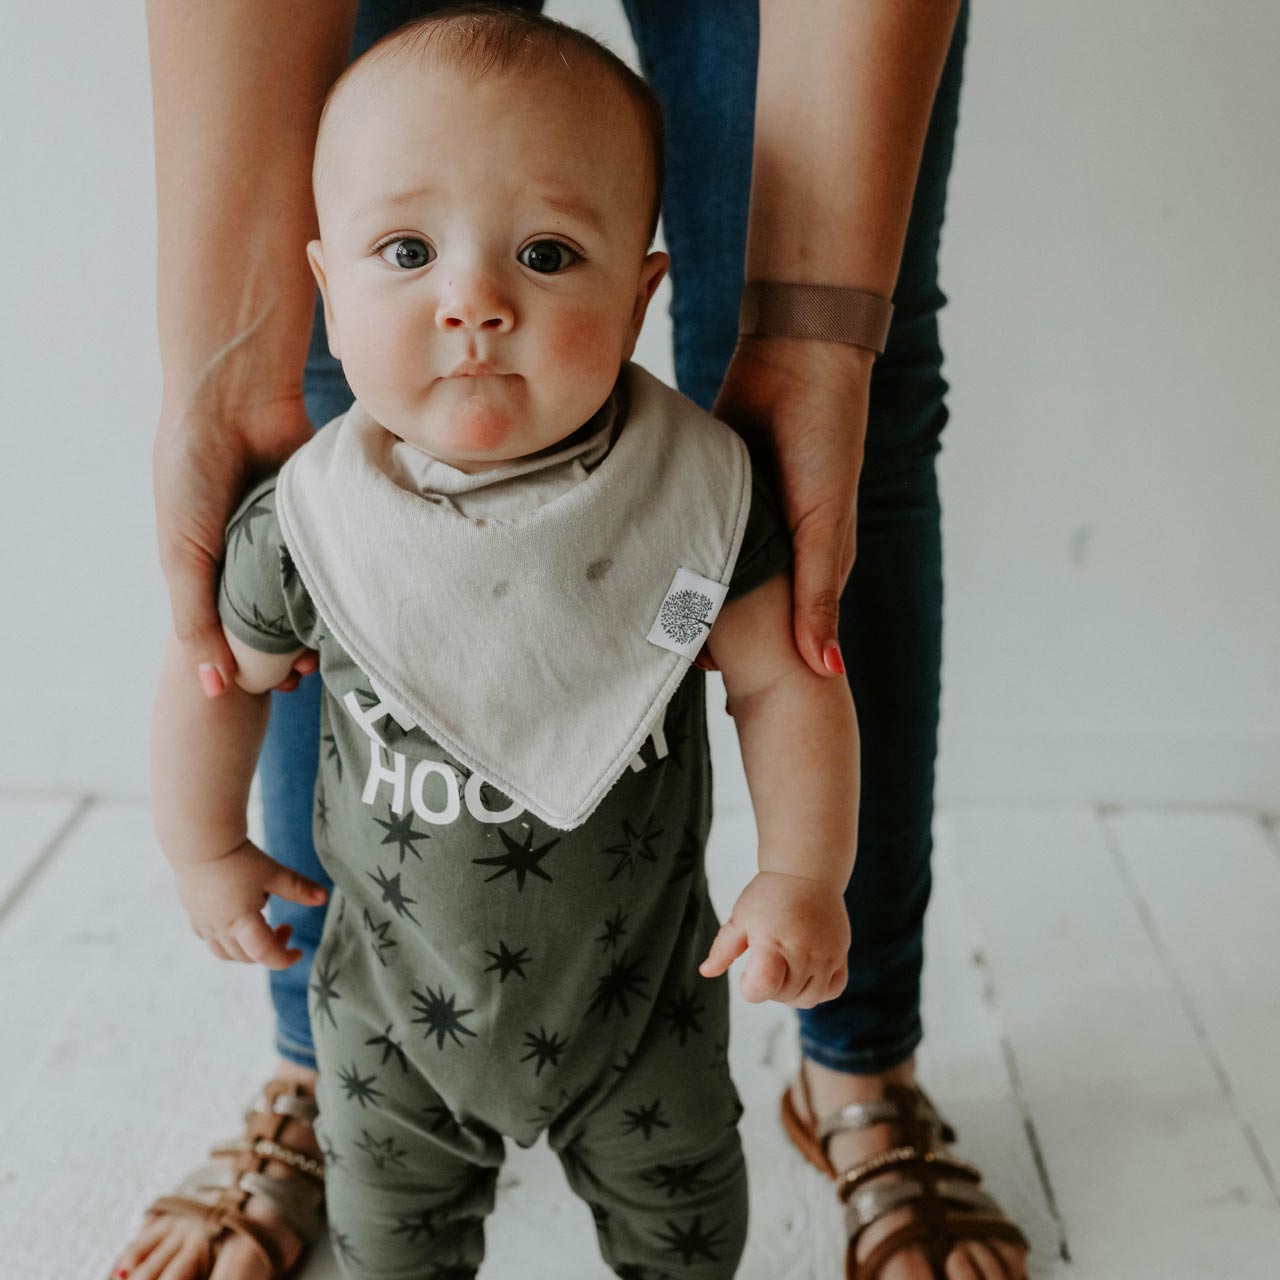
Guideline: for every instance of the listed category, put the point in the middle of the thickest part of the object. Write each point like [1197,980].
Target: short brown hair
[486,37]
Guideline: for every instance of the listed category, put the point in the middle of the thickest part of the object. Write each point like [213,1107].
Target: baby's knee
[417,1224]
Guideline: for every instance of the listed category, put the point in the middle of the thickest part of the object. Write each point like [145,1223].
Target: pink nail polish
[832,660]
[210,679]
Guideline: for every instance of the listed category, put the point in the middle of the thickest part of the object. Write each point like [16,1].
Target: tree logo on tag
[683,613]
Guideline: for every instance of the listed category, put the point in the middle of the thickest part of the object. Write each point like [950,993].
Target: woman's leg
[700,58]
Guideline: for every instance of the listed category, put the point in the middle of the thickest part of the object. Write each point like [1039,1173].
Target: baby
[507,555]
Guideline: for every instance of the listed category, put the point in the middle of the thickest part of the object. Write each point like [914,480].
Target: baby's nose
[474,306]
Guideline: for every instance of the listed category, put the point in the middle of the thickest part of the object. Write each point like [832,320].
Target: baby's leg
[407,1185]
[407,1189]
[658,1158]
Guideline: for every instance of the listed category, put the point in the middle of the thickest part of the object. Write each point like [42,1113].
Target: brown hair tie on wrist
[774,309]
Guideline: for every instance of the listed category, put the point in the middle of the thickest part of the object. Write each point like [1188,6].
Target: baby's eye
[411,252]
[548,256]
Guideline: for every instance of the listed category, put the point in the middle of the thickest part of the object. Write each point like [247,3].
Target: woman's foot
[168,1247]
[829,1091]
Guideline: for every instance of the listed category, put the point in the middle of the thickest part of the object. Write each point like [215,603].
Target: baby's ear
[652,270]
[315,257]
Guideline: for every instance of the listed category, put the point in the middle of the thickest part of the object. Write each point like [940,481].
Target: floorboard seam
[46,854]
[1216,1064]
[991,999]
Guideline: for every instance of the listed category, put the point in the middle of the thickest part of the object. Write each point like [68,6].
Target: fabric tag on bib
[687,613]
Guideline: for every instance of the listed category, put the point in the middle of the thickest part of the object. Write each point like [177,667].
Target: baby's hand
[798,933]
[224,899]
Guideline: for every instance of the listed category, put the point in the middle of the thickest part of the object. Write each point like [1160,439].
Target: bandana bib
[534,619]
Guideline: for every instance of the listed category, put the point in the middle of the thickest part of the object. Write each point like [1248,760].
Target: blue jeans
[891,610]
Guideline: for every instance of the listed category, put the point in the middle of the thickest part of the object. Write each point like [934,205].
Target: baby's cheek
[583,342]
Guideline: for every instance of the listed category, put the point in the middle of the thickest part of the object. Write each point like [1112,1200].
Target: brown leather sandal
[942,1192]
[296,1198]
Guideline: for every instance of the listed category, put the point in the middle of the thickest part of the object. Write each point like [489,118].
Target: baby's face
[501,222]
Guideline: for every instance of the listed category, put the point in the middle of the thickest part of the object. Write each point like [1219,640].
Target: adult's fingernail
[210,679]
[831,659]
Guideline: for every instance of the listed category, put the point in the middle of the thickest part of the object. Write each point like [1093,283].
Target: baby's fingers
[289,884]
[262,945]
[726,947]
[218,949]
[766,975]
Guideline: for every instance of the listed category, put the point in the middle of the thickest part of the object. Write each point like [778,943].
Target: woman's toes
[152,1231]
[186,1262]
[155,1262]
[987,1261]
[910,1264]
[238,1260]
[1015,1260]
[961,1264]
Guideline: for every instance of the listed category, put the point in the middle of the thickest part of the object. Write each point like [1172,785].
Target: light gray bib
[534,619]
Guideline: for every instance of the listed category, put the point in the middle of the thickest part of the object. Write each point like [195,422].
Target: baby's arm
[203,754]
[798,732]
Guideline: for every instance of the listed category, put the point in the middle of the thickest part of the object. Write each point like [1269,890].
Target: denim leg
[700,58]
[288,764]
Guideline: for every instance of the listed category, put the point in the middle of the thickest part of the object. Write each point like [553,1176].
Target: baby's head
[487,182]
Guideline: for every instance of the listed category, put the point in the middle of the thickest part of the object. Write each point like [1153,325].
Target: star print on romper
[545,1047]
[379,937]
[392,894]
[389,1046]
[324,991]
[635,846]
[322,810]
[676,1179]
[613,930]
[692,1241]
[443,1118]
[441,1018]
[507,962]
[686,856]
[622,980]
[332,754]
[571,1157]
[243,526]
[645,1119]
[414,1225]
[522,859]
[357,1086]
[383,1152]
[683,1012]
[400,832]
[341,1245]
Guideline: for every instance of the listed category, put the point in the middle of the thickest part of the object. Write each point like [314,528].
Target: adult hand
[204,460]
[801,404]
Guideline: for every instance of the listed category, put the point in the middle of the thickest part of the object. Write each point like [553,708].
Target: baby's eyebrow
[399,197]
[562,202]
[573,208]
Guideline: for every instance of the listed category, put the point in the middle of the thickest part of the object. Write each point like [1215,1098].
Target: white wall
[1111,468]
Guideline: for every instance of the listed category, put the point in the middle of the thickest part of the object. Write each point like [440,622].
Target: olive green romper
[483,974]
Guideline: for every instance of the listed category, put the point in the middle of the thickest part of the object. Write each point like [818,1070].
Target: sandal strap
[939,1239]
[268,1149]
[858,1115]
[906,1159]
[218,1219]
[873,1202]
[300,1205]
[282,1098]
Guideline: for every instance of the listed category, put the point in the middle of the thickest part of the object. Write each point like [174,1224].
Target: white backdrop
[1111,471]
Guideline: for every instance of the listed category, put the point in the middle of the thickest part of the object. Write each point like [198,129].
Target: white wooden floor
[1103,1009]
